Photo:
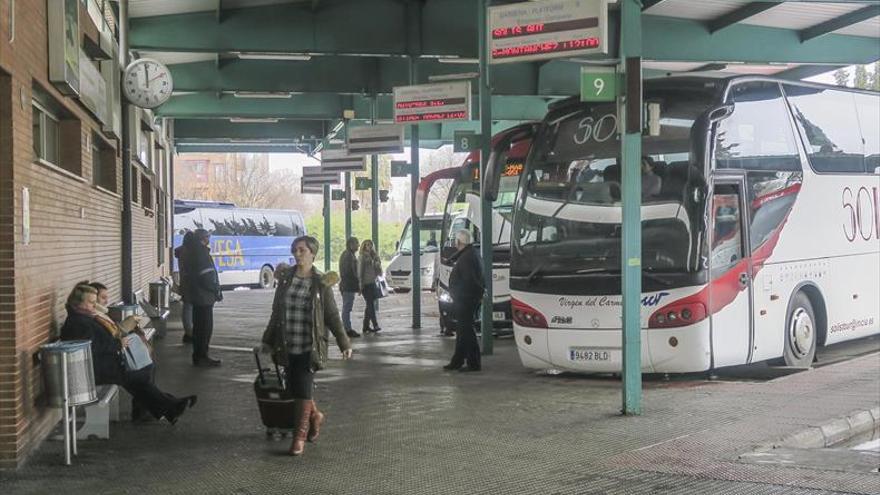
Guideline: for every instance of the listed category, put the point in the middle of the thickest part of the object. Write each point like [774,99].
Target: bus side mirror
[397,245]
[491,182]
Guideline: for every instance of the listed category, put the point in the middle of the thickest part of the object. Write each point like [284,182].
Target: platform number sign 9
[598,86]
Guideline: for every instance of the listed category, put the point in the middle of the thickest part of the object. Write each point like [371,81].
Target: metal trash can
[122,311]
[159,295]
[80,373]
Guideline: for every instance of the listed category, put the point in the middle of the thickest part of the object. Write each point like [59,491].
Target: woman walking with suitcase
[302,312]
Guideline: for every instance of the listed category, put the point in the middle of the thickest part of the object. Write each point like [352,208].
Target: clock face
[147,83]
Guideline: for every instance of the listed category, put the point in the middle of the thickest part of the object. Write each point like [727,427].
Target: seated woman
[83,323]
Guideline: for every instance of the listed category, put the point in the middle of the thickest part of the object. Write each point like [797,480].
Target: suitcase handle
[260,368]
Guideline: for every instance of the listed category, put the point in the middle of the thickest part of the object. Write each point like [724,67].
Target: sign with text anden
[547,29]
[318,176]
[375,139]
[338,160]
[440,102]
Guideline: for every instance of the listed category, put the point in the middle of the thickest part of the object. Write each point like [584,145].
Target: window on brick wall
[146,192]
[103,164]
[135,182]
[56,133]
[143,148]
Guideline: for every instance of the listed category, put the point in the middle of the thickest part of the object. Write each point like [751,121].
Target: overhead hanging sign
[311,189]
[547,29]
[375,139]
[318,176]
[440,102]
[338,160]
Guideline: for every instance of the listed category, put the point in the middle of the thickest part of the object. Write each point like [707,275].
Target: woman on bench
[83,323]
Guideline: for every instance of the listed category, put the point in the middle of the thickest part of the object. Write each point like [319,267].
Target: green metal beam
[324,106]
[208,147]
[447,30]
[336,27]
[223,128]
[748,10]
[335,74]
[667,38]
[319,106]
[840,22]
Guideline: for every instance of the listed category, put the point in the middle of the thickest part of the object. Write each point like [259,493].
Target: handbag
[136,354]
[382,286]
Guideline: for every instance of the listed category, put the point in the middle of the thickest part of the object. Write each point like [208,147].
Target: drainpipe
[127,243]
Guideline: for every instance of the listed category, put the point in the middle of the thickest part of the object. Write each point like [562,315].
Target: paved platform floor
[398,424]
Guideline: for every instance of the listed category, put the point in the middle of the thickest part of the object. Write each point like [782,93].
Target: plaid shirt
[298,316]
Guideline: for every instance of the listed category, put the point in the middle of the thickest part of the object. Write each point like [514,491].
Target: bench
[158,317]
[100,413]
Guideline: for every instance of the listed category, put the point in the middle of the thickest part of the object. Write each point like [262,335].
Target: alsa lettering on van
[227,252]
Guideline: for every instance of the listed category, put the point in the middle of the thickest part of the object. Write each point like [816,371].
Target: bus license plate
[498,315]
[590,354]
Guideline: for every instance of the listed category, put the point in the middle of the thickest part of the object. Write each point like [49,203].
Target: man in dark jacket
[348,283]
[466,289]
[202,289]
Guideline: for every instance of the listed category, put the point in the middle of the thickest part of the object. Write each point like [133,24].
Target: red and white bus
[463,211]
[760,228]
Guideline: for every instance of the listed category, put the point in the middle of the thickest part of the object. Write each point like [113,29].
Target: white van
[398,272]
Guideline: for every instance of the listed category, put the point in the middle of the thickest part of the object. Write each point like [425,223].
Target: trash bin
[159,295]
[80,373]
[122,311]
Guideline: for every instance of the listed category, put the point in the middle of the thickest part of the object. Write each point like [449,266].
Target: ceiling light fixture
[253,120]
[273,56]
[457,60]
[454,77]
[262,94]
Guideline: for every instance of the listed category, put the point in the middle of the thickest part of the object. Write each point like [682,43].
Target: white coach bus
[760,228]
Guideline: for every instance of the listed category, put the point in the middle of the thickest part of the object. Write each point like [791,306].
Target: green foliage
[389,233]
[841,77]
[860,78]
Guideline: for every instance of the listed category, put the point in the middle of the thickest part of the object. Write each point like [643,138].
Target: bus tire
[800,332]
[267,277]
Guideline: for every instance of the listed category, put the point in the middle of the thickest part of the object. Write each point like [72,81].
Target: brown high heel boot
[315,422]
[304,413]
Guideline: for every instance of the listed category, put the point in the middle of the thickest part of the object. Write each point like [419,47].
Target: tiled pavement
[397,424]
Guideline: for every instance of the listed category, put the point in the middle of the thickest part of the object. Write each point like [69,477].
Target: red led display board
[547,29]
[432,102]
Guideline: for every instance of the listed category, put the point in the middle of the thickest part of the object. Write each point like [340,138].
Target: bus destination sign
[547,29]
[439,102]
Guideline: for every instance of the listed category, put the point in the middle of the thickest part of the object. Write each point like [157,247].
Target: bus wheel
[800,333]
[267,277]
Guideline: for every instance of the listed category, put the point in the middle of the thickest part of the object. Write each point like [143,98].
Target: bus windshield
[429,235]
[569,221]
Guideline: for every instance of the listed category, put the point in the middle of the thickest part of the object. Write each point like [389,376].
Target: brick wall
[75,232]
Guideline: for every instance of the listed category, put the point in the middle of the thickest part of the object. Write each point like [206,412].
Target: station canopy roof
[276,75]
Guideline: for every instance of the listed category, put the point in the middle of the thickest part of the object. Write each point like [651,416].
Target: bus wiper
[531,276]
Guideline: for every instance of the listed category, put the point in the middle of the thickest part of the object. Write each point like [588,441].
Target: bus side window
[727,234]
[758,135]
[830,122]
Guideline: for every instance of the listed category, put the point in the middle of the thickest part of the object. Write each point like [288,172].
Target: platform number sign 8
[465,141]
[598,86]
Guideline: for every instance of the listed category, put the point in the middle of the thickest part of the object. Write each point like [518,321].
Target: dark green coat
[324,316]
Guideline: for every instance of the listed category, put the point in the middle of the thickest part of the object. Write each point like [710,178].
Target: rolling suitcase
[274,400]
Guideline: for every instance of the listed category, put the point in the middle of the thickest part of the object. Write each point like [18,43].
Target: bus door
[730,266]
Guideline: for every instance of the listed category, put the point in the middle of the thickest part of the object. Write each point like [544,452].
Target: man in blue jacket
[466,289]
[201,290]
